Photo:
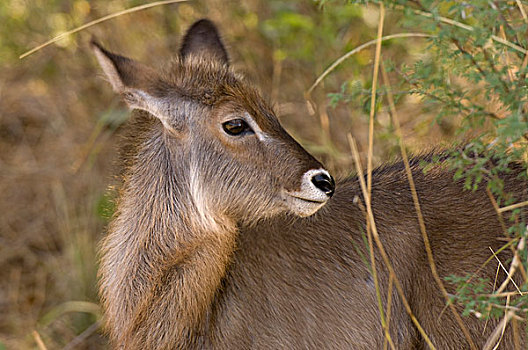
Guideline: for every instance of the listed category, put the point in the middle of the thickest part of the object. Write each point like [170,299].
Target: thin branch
[521,8]
[458,105]
[505,21]
[509,307]
[496,336]
[494,69]
[465,27]
[507,58]
[498,295]
[508,274]
[386,260]
[418,209]
[489,306]
[358,49]
[97,21]
[78,340]
[38,340]
[504,229]
[513,206]
[388,312]
[470,56]
[369,165]
[373,99]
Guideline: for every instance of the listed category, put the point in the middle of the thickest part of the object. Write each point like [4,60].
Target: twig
[458,105]
[489,307]
[83,336]
[498,332]
[513,206]
[507,57]
[504,229]
[39,341]
[418,209]
[373,99]
[494,68]
[509,307]
[465,27]
[504,20]
[358,49]
[516,335]
[521,8]
[499,295]
[370,216]
[388,312]
[97,21]
[470,56]
[509,278]
[369,168]
[516,262]
[507,245]
[499,214]
[376,282]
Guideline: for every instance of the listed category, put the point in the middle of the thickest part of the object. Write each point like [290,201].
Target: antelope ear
[202,39]
[133,81]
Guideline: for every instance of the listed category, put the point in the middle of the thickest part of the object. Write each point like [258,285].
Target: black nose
[325,183]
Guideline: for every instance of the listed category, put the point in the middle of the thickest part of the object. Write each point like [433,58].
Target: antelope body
[225,236]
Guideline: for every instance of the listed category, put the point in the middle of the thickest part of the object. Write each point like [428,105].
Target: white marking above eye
[261,135]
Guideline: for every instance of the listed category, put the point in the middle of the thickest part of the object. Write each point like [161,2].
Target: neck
[161,262]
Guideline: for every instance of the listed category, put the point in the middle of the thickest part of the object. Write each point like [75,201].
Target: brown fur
[203,252]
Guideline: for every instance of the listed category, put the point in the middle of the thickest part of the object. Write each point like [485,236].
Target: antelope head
[224,141]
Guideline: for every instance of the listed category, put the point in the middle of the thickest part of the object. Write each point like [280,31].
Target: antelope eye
[236,127]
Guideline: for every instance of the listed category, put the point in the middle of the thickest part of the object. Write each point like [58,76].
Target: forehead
[216,86]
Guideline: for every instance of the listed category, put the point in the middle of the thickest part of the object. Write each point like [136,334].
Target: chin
[303,207]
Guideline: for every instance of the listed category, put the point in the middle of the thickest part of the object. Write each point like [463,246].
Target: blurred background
[60,123]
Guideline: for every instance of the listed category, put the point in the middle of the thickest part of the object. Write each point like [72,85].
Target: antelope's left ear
[202,39]
[136,83]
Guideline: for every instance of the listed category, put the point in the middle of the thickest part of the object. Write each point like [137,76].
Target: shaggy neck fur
[165,254]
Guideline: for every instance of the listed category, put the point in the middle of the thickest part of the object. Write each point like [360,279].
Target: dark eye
[236,127]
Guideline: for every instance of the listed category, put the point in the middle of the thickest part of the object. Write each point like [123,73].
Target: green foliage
[21,23]
[298,35]
[472,73]
[473,294]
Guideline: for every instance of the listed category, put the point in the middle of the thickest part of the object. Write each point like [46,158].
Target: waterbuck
[228,234]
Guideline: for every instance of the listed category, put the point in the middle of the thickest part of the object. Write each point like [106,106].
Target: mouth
[303,206]
[309,200]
